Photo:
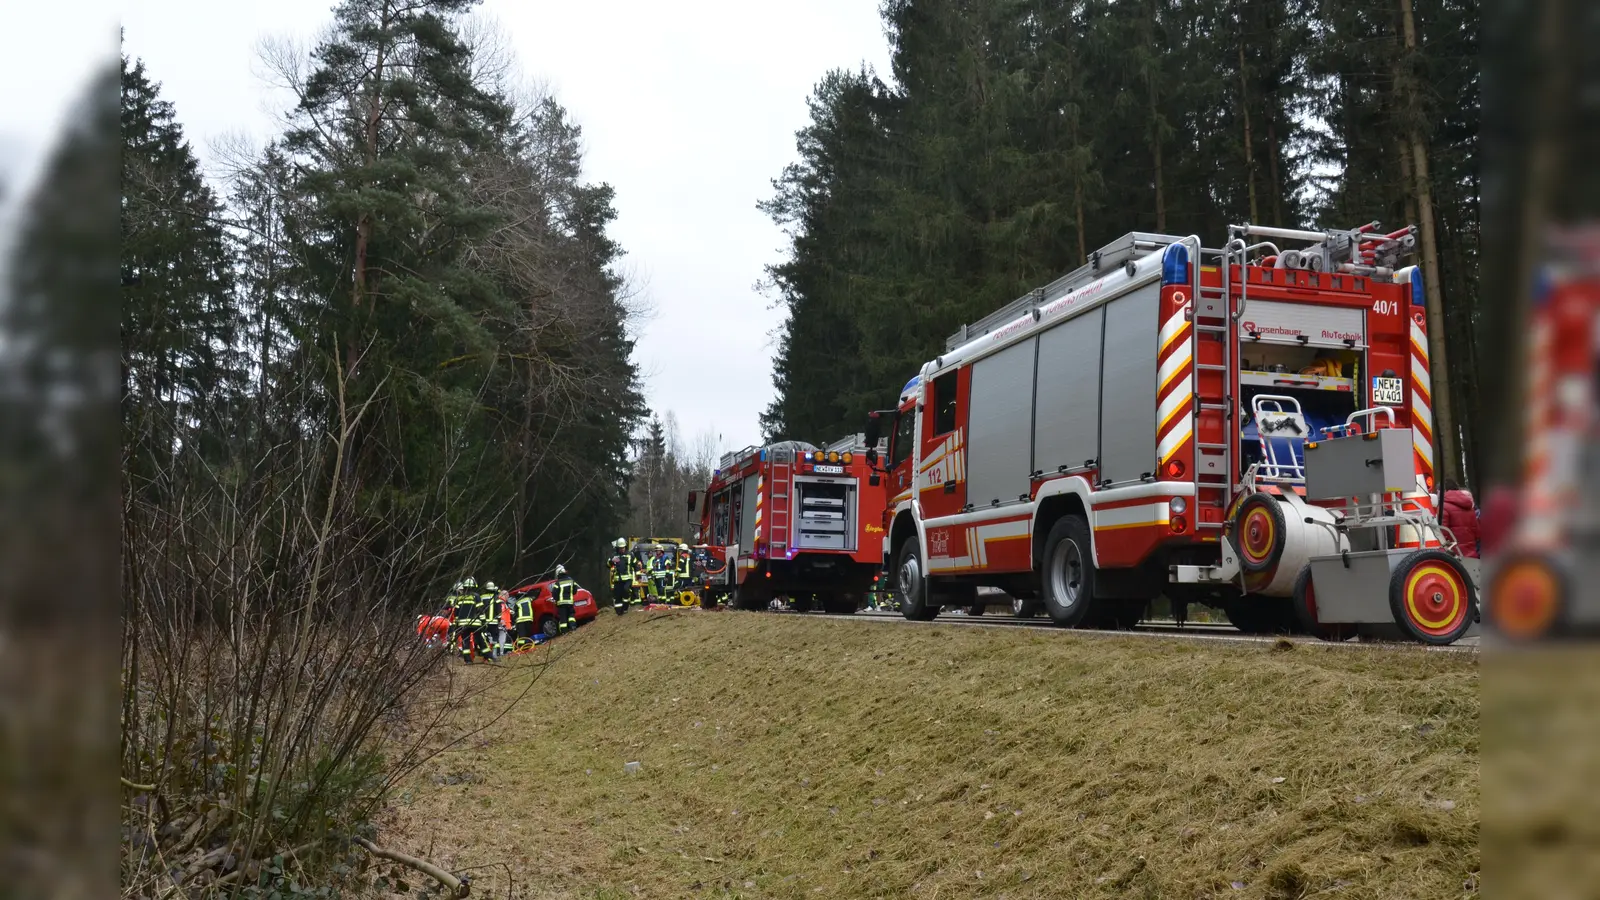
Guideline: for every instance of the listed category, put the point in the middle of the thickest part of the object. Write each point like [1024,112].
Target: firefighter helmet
[469,583]
[561,570]
[489,586]
[620,543]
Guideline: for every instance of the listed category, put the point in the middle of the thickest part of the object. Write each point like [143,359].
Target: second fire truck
[1137,428]
[793,520]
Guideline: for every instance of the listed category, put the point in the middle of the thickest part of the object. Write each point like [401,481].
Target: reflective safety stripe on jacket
[467,610]
[683,565]
[619,569]
[525,608]
[565,592]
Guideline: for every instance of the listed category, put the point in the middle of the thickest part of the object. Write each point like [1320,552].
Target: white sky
[688,110]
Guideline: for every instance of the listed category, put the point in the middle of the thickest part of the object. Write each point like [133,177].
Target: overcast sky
[688,109]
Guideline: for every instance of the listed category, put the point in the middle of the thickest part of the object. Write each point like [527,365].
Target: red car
[544,605]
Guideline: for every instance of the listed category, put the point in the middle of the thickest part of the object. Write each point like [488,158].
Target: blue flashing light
[1175,264]
[915,380]
[1543,286]
[1416,288]
[763,454]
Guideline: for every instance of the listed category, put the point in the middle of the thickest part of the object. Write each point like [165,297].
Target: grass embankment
[794,758]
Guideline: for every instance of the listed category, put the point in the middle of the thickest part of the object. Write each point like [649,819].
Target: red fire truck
[1544,571]
[792,520]
[1137,428]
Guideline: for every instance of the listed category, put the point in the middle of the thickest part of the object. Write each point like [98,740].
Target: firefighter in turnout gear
[661,576]
[683,567]
[621,576]
[641,581]
[469,620]
[504,623]
[565,591]
[489,620]
[524,620]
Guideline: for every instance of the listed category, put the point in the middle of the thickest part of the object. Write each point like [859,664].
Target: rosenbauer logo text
[1328,334]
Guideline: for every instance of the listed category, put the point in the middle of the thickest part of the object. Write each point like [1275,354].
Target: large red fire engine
[793,520]
[1545,569]
[1138,428]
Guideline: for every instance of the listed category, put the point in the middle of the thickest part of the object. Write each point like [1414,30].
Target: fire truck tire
[1527,598]
[1258,533]
[1068,575]
[748,598]
[1432,598]
[977,608]
[1024,607]
[1305,611]
[802,603]
[911,585]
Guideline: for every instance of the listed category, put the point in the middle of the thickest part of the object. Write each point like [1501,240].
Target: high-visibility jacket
[467,612]
[525,608]
[620,570]
[683,565]
[565,592]
[488,611]
[505,611]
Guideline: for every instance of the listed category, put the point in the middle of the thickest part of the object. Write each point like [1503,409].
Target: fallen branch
[141,788]
[457,886]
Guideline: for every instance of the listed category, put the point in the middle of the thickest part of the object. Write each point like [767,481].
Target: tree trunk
[1445,439]
[1244,109]
[358,281]
[1155,136]
[1272,163]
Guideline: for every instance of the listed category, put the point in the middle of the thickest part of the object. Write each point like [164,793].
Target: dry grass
[792,758]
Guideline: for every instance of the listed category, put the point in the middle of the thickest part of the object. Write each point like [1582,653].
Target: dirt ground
[785,757]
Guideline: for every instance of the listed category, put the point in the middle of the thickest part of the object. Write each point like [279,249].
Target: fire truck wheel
[1258,533]
[1068,574]
[749,598]
[1024,608]
[1527,598]
[1432,597]
[1305,611]
[911,586]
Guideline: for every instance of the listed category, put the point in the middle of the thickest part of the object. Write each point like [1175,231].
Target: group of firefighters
[488,623]
[637,578]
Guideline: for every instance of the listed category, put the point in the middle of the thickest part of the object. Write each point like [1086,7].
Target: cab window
[944,404]
[905,431]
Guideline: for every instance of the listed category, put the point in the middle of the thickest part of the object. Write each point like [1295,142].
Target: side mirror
[874,431]
[872,457]
[694,506]
[874,479]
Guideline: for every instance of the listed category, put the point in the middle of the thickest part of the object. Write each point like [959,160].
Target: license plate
[828,470]
[1388,391]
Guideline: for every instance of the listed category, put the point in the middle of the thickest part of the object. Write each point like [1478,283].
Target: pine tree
[180,322]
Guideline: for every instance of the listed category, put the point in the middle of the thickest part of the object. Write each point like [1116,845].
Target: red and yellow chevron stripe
[1174,378]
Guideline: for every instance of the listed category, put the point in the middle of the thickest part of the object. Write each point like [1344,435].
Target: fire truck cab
[1138,428]
[793,520]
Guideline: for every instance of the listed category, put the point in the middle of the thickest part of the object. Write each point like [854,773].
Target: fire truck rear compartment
[827,513]
[1325,381]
